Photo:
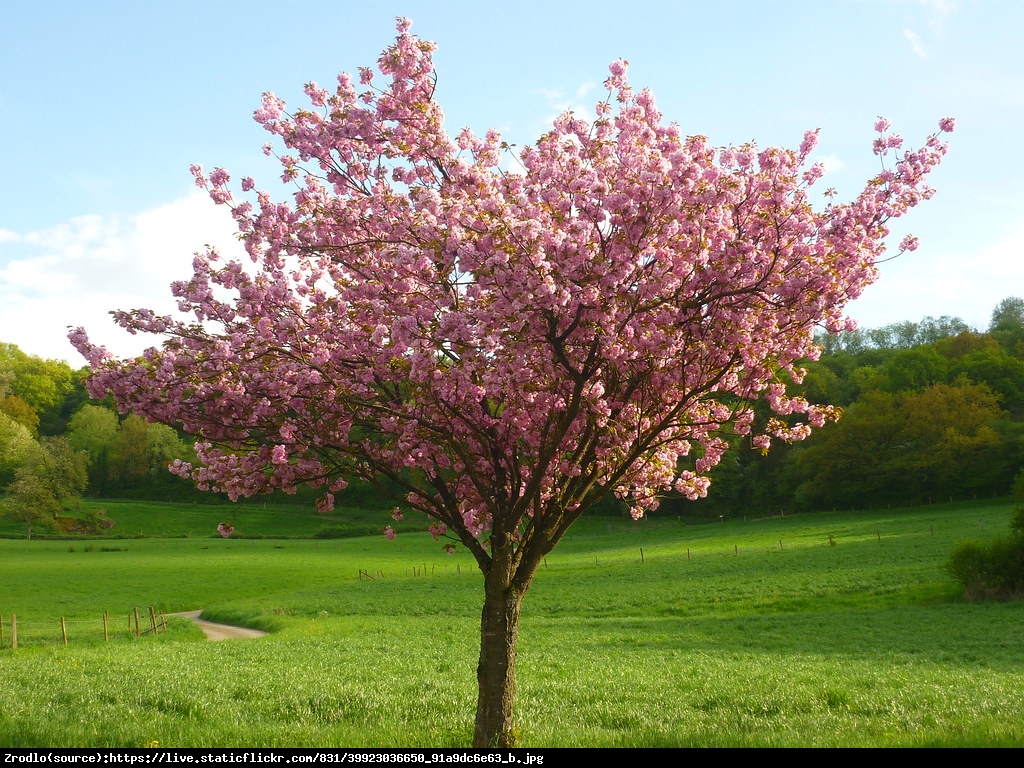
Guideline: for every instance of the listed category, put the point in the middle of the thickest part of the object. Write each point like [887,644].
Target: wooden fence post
[152,618]
[106,634]
[64,630]
[14,631]
[135,609]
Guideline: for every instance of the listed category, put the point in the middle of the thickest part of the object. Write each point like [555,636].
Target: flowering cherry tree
[507,345]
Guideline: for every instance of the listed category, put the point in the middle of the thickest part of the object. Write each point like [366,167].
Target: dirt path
[219,631]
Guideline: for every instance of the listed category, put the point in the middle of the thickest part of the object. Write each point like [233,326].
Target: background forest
[933,411]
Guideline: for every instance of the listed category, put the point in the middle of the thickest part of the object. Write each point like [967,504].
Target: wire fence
[66,631]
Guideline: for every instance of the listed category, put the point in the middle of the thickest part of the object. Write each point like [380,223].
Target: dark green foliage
[1007,325]
[1017,521]
[993,569]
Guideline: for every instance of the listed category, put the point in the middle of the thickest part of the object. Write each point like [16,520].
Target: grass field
[826,630]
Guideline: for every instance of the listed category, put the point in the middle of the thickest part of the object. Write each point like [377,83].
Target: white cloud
[936,12]
[73,274]
[939,11]
[915,43]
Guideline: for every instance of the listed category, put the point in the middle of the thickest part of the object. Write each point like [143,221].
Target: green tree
[30,503]
[1007,324]
[931,329]
[52,477]
[139,455]
[906,447]
[93,429]
[42,384]
[1001,371]
[916,368]
[17,409]
[16,445]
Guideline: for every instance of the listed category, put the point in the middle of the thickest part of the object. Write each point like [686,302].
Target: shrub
[992,570]
[1017,520]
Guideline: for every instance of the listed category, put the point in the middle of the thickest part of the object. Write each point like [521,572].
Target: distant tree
[53,476]
[16,408]
[1007,324]
[916,368]
[966,343]
[907,447]
[93,429]
[42,384]
[16,446]
[129,461]
[901,335]
[141,452]
[932,329]
[1001,371]
[30,503]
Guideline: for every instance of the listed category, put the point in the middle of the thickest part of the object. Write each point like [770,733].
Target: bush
[992,570]
[1017,521]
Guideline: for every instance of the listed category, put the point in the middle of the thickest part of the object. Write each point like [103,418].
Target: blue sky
[104,105]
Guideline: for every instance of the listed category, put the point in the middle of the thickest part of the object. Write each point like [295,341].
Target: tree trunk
[499,632]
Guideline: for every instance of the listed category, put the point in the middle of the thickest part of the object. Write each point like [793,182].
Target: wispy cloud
[915,43]
[936,13]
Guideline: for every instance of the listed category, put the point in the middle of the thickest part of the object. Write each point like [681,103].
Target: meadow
[833,629]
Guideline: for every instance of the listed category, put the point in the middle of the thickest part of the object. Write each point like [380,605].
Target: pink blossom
[809,143]
[219,177]
[947,124]
[389,533]
[316,94]
[909,243]
[197,172]
[618,70]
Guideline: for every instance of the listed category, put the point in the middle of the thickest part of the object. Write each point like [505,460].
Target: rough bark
[499,633]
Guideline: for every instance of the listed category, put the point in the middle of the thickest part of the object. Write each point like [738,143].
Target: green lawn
[648,634]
